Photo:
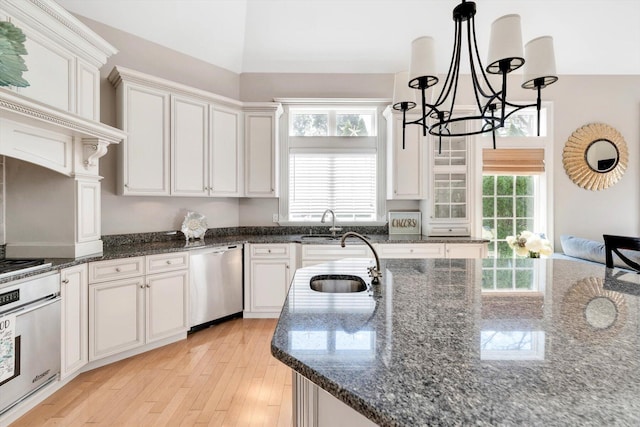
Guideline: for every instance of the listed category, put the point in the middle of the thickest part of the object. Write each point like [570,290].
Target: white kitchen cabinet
[116,316]
[268,272]
[225,153]
[74,290]
[167,305]
[405,170]
[182,141]
[467,250]
[411,250]
[129,309]
[314,407]
[189,146]
[145,154]
[451,177]
[318,254]
[431,250]
[261,149]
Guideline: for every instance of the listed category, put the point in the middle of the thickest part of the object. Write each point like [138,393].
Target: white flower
[527,243]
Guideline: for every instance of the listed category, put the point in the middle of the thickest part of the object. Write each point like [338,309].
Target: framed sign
[404,223]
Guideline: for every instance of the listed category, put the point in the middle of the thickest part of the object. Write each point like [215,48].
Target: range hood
[54,124]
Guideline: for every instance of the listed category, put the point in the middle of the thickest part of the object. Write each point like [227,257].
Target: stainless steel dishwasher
[215,284]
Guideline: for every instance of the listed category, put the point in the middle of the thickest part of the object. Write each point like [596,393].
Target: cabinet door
[404,172]
[260,155]
[189,146]
[269,284]
[116,317]
[466,250]
[74,289]
[167,303]
[225,153]
[145,152]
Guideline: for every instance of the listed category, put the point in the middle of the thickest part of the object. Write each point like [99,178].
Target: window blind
[513,161]
[343,182]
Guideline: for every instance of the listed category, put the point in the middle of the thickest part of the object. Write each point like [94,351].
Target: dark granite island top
[444,342]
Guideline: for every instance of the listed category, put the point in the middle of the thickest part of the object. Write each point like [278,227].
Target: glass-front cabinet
[451,183]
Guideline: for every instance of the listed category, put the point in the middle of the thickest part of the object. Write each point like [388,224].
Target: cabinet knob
[117,269]
[141,286]
[168,261]
[65,281]
[126,186]
[287,266]
[148,286]
[269,250]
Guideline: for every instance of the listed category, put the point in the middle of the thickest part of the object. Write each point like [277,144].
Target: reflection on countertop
[434,344]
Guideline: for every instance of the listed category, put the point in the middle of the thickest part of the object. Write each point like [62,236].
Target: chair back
[618,244]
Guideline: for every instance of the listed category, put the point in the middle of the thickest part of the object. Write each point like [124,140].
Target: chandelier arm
[455,62]
[493,93]
[477,87]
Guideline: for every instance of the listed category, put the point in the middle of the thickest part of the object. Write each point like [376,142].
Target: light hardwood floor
[220,376]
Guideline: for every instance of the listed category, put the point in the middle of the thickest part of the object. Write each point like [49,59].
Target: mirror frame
[574,156]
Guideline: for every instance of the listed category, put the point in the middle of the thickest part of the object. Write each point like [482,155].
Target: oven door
[37,351]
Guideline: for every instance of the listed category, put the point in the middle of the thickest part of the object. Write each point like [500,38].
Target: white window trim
[545,180]
[285,145]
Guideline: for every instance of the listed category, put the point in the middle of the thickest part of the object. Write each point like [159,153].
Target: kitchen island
[465,342]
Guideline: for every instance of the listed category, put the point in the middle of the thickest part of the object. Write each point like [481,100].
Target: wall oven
[29,337]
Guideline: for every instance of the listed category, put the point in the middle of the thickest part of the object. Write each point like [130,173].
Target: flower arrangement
[530,244]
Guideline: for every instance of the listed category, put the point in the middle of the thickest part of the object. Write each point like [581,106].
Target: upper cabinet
[405,179]
[451,178]
[261,149]
[144,156]
[63,56]
[181,141]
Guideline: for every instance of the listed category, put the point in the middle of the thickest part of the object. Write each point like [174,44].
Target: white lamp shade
[540,63]
[401,90]
[423,60]
[505,43]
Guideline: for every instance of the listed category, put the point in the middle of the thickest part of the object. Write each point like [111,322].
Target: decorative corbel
[93,149]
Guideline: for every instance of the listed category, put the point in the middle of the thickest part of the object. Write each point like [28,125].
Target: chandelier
[491,106]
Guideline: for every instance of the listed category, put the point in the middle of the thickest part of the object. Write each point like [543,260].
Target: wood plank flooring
[220,376]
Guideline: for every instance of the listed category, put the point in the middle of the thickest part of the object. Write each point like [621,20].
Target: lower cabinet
[314,407]
[268,272]
[74,289]
[133,311]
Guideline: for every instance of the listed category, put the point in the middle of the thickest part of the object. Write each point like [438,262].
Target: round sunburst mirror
[595,156]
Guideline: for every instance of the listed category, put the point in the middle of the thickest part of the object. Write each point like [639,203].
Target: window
[331,160]
[508,207]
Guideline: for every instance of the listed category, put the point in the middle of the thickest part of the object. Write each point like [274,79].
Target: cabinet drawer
[167,262]
[102,271]
[454,230]
[331,252]
[421,250]
[280,250]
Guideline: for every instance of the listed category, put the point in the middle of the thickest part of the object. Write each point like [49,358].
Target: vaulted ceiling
[367,36]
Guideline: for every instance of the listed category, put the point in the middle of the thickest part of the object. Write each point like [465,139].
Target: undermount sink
[320,237]
[337,283]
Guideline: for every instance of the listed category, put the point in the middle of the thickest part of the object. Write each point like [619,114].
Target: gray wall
[577,100]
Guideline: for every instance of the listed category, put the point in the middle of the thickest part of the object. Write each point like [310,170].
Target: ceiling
[367,36]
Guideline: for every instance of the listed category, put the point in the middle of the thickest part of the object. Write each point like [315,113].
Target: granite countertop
[434,345]
[126,246]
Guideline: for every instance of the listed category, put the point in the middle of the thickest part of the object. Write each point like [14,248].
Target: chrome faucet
[374,272]
[333,227]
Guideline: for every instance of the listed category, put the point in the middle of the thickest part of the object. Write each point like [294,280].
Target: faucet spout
[333,227]
[374,272]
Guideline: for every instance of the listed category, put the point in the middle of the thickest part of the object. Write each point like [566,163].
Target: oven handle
[31,307]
